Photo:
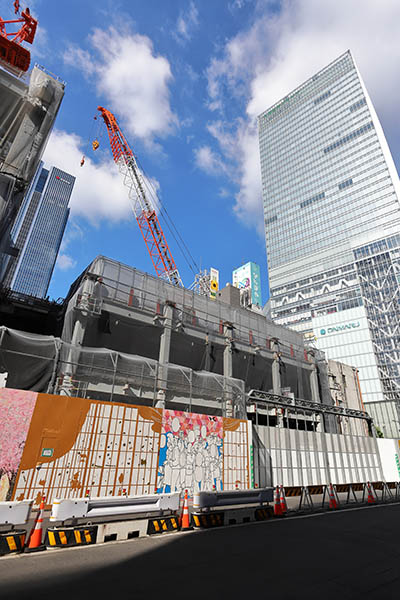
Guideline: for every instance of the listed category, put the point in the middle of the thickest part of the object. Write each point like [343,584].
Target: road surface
[340,555]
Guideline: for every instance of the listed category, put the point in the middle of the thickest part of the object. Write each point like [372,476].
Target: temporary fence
[293,446]
[345,494]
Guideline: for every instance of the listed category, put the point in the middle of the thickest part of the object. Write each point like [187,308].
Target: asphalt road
[340,555]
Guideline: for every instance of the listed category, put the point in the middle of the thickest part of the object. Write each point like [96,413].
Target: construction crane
[143,209]
[12,54]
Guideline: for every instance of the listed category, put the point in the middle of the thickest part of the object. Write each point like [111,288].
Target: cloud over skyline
[138,90]
[278,52]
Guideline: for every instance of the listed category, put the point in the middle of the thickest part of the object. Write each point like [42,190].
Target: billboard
[248,276]
[214,282]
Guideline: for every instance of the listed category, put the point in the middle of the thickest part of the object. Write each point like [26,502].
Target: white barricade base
[15,513]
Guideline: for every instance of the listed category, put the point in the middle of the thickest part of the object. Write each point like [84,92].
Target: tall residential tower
[38,231]
[332,224]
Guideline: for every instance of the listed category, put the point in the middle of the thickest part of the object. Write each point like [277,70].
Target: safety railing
[210,500]
[113,506]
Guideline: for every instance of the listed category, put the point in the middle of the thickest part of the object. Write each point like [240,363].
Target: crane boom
[142,207]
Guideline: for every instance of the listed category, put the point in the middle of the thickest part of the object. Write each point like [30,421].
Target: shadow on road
[343,555]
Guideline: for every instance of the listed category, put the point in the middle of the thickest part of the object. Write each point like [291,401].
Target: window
[322,97]
[345,184]
[349,137]
[357,105]
[309,201]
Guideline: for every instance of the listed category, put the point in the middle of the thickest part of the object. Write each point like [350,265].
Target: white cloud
[99,192]
[187,22]
[79,58]
[210,162]
[65,262]
[133,80]
[280,51]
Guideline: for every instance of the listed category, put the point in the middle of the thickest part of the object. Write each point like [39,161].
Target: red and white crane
[142,206]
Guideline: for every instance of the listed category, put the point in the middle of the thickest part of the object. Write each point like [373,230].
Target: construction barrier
[207,520]
[234,516]
[315,490]
[293,490]
[12,541]
[208,500]
[263,514]
[70,536]
[162,525]
[78,508]
[15,513]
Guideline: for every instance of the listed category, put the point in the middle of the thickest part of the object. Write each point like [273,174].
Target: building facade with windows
[332,224]
[38,231]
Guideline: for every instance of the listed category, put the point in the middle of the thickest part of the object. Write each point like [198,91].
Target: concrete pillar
[315,397]
[72,358]
[228,368]
[164,351]
[207,361]
[276,374]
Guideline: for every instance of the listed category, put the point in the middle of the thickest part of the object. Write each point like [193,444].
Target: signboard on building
[214,282]
[248,276]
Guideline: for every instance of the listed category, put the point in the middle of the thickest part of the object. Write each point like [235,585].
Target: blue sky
[186,81]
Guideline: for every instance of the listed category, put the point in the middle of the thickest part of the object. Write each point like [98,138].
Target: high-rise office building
[38,231]
[332,224]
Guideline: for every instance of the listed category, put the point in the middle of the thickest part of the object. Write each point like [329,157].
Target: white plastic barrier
[76,508]
[206,500]
[16,512]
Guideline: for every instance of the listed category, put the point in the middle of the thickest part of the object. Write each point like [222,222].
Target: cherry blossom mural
[16,409]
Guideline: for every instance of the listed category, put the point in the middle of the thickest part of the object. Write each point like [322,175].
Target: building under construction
[28,108]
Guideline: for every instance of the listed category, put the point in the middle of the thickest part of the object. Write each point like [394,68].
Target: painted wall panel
[16,409]
[72,447]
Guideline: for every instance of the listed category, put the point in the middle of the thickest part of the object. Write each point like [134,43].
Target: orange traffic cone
[34,543]
[371,497]
[282,500]
[185,524]
[332,499]
[277,503]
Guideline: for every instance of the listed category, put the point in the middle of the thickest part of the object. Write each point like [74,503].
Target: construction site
[137,385]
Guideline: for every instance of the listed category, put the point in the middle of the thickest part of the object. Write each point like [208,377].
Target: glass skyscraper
[332,225]
[38,231]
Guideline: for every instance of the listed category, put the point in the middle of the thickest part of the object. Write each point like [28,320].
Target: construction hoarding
[71,447]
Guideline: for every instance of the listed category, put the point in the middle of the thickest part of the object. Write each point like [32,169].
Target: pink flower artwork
[188,421]
[16,409]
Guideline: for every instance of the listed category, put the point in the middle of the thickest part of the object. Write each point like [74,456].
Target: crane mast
[142,207]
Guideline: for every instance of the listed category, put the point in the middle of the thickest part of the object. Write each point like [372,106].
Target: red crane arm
[12,53]
[144,212]
[26,33]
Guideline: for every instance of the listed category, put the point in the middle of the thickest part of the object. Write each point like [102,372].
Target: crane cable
[95,134]
[156,201]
